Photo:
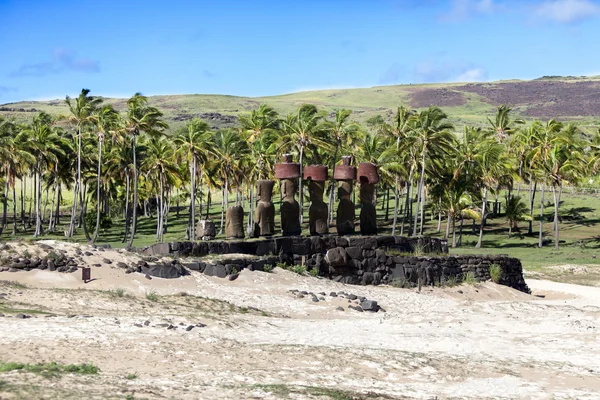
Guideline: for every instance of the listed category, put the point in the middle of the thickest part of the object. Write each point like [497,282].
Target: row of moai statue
[288,173]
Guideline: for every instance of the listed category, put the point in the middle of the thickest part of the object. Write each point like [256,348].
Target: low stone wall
[349,259]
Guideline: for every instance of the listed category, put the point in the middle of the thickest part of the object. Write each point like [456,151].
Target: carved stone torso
[264,216]
[234,223]
[318,211]
[345,211]
[290,209]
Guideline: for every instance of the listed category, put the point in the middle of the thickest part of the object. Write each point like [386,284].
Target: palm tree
[230,147]
[83,110]
[503,126]
[161,166]
[140,118]
[44,144]
[341,131]
[543,144]
[107,121]
[399,131]
[302,130]
[196,145]
[433,137]
[516,210]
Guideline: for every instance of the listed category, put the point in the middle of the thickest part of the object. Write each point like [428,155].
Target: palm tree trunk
[250,226]
[556,204]
[135,195]
[127,185]
[531,200]
[460,231]
[447,228]
[193,200]
[58,198]
[5,206]
[201,180]
[301,197]
[32,198]
[208,201]
[332,184]
[77,184]
[453,232]
[14,192]
[23,191]
[51,219]
[222,210]
[419,193]
[387,203]
[408,205]
[480,241]
[99,174]
[162,206]
[397,200]
[38,203]
[541,232]
[84,203]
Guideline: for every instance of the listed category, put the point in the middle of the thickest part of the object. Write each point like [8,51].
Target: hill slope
[565,98]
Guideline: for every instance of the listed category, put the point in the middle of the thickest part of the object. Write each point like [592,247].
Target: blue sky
[53,48]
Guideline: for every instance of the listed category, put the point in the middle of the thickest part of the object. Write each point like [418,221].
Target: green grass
[10,309]
[51,368]
[495,272]
[469,278]
[119,293]
[152,296]
[131,376]
[294,392]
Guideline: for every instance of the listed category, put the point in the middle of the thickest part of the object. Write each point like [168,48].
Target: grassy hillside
[565,98]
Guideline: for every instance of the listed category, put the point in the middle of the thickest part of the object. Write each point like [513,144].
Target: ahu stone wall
[362,260]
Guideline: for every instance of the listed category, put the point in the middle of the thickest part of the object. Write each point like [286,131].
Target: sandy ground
[263,342]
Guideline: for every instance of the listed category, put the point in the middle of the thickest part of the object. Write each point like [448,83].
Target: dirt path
[263,342]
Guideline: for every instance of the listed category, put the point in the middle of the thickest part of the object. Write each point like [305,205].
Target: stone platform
[349,259]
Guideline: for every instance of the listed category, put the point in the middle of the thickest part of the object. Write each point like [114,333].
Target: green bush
[152,296]
[268,268]
[469,278]
[496,272]
[106,221]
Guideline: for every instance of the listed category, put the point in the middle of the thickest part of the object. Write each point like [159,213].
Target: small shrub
[268,268]
[131,376]
[118,292]
[90,221]
[299,269]
[419,250]
[496,273]
[281,265]
[152,296]
[450,282]
[402,283]
[469,278]
[313,272]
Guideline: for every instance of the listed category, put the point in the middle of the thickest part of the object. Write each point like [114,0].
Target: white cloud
[567,11]
[472,75]
[464,9]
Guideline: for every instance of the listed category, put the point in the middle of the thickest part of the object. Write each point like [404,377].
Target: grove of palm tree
[103,174]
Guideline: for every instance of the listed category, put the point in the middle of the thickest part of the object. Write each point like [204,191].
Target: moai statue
[318,211]
[368,177]
[345,174]
[234,222]
[288,173]
[264,216]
